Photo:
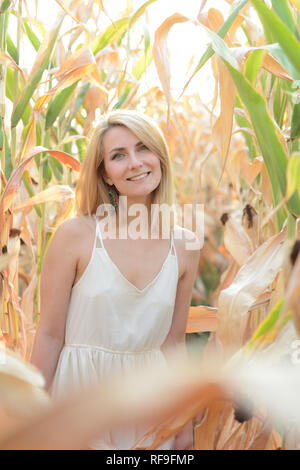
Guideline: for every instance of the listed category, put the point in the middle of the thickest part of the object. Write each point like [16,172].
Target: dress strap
[98,233]
[172,243]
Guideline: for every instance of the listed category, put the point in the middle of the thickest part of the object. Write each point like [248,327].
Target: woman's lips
[139,179]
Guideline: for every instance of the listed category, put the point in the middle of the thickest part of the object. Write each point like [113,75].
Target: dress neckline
[140,291]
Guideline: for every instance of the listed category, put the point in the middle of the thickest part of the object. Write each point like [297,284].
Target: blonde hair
[91,189]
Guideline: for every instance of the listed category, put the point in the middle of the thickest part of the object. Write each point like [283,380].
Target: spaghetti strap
[173,244]
[98,233]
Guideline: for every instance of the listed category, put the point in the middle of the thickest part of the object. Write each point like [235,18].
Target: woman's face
[126,157]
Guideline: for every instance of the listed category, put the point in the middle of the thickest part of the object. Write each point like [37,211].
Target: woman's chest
[139,261]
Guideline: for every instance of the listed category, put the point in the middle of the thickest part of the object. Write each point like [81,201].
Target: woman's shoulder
[185,235]
[77,225]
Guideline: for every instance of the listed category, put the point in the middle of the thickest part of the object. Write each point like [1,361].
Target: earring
[113,199]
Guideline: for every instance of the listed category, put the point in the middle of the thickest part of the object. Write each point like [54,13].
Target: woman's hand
[184,438]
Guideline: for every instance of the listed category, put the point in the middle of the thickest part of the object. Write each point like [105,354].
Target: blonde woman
[109,302]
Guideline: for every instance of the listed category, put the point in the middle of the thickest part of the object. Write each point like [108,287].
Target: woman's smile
[139,178]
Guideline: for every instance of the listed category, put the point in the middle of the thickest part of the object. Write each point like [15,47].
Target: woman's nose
[134,161]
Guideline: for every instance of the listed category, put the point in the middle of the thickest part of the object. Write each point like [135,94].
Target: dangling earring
[113,199]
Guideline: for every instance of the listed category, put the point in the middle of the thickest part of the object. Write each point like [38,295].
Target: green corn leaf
[9,84]
[277,103]
[142,64]
[31,86]
[47,172]
[267,324]
[56,167]
[112,33]
[31,36]
[4,5]
[279,32]
[253,64]
[295,126]
[123,96]
[139,12]
[58,104]
[282,9]
[293,175]
[78,103]
[11,49]
[244,123]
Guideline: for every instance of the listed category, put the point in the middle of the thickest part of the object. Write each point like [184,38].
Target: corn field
[239,155]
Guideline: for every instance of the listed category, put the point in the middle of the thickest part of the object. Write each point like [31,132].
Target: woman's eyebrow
[119,149]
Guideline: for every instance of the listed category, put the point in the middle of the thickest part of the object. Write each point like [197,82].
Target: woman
[119,304]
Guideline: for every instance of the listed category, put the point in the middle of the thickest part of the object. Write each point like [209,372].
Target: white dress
[112,325]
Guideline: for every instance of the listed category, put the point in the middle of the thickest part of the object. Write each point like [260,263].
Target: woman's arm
[176,336]
[57,276]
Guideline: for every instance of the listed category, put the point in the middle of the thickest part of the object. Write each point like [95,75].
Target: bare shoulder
[67,237]
[187,239]
[75,227]
[188,245]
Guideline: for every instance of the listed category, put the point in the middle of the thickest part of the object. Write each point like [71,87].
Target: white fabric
[112,326]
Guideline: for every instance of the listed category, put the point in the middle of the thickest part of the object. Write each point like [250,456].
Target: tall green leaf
[280,32]
[31,36]
[31,86]
[58,104]
[112,33]
[4,5]
[281,7]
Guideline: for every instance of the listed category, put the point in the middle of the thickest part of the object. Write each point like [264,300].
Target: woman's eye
[117,155]
[143,147]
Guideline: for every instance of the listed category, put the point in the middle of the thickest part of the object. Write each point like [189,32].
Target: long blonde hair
[91,189]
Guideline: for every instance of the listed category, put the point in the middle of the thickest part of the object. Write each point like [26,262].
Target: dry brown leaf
[210,393]
[14,181]
[53,193]
[236,240]
[222,129]
[253,278]
[161,55]
[6,60]
[205,433]
[201,318]
[273,66]
[293,295]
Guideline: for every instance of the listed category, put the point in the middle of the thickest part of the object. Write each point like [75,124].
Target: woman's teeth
[143,176]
